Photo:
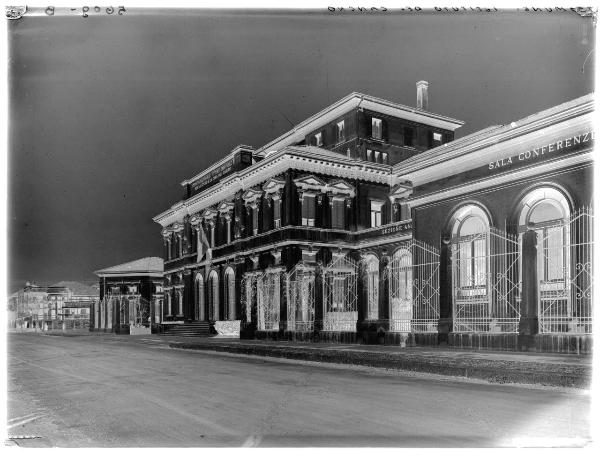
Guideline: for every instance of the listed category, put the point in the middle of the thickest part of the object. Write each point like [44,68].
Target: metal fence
[485,282]
[414,288]
[268,293]
[301,298]
[340,301]
[564,270]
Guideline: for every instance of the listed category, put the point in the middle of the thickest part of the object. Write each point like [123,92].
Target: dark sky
[109,114]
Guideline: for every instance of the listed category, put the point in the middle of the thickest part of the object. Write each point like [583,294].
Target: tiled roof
[143,265]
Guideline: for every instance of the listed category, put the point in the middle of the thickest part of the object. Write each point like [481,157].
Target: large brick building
[369,222]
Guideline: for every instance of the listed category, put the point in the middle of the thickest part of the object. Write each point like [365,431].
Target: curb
[494,371]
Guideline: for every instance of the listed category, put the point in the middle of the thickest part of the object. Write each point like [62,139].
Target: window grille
[564,261]
[340,295]
[485,281]
[413,276]
[301,298]
[268,294]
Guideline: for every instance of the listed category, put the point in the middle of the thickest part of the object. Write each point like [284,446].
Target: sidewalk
[496,367]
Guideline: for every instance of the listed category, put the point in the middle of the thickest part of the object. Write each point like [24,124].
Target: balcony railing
[300,234]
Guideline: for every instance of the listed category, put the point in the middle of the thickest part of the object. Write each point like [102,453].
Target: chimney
[422,97]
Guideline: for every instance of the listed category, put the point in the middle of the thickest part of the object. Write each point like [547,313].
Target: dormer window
[376,128]
[319,139]
[341,132]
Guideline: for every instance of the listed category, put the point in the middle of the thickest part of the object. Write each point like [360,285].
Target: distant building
[130,297]
[51,306]
[369,222]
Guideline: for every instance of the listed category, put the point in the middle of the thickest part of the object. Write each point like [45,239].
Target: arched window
[401,283]
[199,310]
[372,280]
[229,294]
[213,295]
[548,210]
[469,235]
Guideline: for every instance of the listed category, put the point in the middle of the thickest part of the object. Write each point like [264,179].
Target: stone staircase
[192,329]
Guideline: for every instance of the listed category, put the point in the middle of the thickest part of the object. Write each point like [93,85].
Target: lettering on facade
[396,229]
[213,175]
[539,152]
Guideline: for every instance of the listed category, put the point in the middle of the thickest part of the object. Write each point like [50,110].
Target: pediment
[340,187]
[402,190]
[309,182]
[225,206]
[252,194]
[274,184]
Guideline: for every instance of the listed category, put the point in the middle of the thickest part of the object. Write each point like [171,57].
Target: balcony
[300,234]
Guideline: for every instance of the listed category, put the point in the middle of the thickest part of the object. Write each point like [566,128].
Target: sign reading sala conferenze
[544,151]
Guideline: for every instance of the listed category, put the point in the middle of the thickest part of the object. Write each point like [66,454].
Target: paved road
[115,391]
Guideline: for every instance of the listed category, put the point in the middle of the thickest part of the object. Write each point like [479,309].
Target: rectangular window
[437,137]
[376,128]
[408,136]
[338,214]
[319,139]
[369,155]
[376,213]
[377,157]
[341,132]
[277,213]
[308,210]
[384,158]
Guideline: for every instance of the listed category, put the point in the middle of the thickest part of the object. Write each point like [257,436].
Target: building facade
[130,297]
[64,304]
[369,223]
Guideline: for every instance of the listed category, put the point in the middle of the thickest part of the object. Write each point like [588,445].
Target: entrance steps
[191,329]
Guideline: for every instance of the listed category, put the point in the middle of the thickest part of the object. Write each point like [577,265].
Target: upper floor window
[308,210]
[377,157]
[277,213]
[376,128]
[319,139]
[437,137]
[376,209]
[369,155]
[384,158]
[341,131]
[338,214]
[408,136]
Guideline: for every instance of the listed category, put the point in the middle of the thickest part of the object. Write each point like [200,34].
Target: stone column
[528,324]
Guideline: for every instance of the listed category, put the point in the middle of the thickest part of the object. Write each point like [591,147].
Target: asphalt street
[110,391]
